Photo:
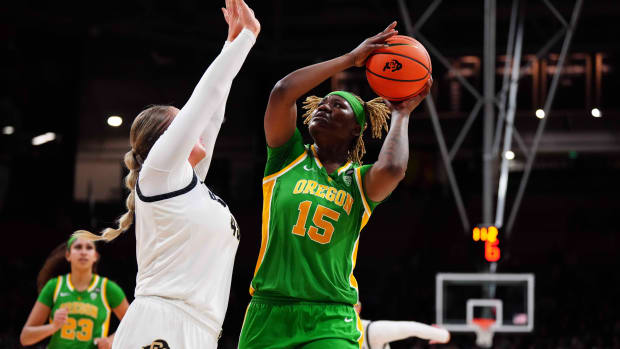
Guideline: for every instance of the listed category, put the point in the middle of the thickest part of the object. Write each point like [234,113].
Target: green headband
[71,241]
[358,108]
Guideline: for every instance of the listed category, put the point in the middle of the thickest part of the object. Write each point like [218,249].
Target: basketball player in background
[316,200]
[379,334]
[186,237]
[77,304]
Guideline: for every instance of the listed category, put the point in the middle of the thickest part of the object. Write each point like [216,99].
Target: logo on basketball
[393,65]
[157,344]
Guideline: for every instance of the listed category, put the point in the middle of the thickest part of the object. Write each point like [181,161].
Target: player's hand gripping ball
[399,71]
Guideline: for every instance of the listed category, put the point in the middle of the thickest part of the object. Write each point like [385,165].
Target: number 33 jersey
[311,226]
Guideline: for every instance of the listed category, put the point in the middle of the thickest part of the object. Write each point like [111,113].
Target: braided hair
[145,130]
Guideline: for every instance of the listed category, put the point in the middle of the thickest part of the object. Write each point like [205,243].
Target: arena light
[44,138]
[8,130]
[115,121]
[540,113]
[596,113]
[509,155]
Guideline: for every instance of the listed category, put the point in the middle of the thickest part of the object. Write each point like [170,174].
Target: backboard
[508,299]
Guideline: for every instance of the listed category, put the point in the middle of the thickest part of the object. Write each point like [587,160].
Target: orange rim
[483,323]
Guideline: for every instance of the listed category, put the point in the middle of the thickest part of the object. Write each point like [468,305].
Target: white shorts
[153,323]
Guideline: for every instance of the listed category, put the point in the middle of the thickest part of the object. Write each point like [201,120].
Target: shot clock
[488,235]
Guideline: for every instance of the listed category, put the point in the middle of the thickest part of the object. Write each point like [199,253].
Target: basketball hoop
[484,332]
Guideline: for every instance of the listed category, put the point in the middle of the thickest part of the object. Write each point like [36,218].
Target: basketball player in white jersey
[186,237]
[379,334]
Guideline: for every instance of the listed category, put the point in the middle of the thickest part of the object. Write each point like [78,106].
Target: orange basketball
[400,71]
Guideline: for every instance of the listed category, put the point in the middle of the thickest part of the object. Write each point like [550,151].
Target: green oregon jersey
[89,310]
[311,225]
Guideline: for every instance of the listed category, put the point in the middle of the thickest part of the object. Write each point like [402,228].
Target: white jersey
[186,246]
[186,237]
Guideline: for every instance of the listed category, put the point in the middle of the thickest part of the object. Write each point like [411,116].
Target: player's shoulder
[112,287]
[111,284]
[53,282]
[285,157]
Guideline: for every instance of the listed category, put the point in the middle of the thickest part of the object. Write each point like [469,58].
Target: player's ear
[67,254]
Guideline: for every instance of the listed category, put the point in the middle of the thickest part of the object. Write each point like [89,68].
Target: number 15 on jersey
[318,221]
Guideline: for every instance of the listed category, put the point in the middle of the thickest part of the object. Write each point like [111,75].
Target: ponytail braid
[124,222]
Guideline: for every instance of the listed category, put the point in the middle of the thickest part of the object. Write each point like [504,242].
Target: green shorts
[270,324]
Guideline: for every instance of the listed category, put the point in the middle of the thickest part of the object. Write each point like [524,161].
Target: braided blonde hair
[145,130]
[376,110]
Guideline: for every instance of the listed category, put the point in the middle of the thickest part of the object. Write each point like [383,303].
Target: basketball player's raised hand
[231,15]
[361,53]
[247,18]
[60,318]
[407,106]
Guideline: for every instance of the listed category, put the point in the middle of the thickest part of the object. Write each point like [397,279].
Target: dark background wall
[65,67]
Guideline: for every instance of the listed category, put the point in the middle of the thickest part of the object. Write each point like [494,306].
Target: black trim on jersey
[160,197]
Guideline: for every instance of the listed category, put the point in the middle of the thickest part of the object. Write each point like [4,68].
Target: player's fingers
[231,6]
[387,30]
[390,27]
[377,46]
[380,38]
[427,88]
[384,36]
[234,5]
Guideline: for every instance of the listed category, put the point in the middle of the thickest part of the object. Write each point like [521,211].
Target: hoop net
[484,332]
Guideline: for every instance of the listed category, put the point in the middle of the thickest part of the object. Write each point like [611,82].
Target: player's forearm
[381,332]
[299,82]
[209,136]
[33,334]
[210,132]
[394,155]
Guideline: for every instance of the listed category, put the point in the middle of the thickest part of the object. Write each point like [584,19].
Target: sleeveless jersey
[89,310]
[310,229]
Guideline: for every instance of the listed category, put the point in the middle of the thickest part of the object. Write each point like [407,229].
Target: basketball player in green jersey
[316,200]
[77,305]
